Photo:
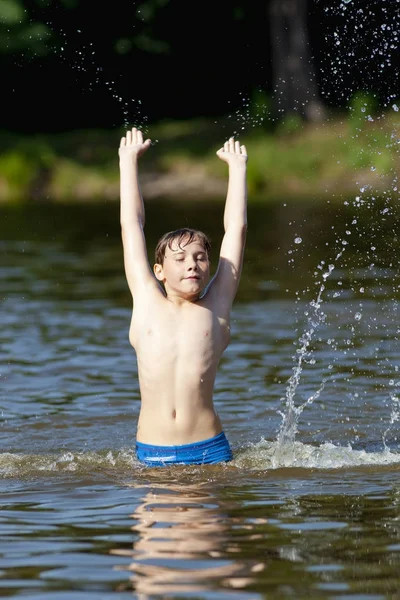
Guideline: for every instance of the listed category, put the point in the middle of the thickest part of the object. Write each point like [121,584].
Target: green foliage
[38,151]
[291,123]
[17,33]
[276,164]
[70,180]
[309,161]
[16,175]
[362,107]
[261,106]
[21,165]
[11,12]
[367,146]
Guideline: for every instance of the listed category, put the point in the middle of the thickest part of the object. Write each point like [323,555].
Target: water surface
[311,514]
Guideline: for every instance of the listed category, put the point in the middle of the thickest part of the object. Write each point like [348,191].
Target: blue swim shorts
[213,450]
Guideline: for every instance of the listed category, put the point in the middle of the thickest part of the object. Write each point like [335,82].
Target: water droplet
[358,316]
[395,107]
[297,240]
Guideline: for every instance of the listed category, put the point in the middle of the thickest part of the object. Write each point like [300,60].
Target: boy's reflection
[183,543]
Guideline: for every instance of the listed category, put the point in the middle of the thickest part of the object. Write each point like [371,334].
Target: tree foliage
[94,63]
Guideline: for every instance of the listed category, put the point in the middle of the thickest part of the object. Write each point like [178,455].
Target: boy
[180,329]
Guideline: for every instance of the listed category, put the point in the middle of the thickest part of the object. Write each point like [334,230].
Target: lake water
[308,392]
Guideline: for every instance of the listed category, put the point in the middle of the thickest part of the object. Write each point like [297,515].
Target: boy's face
[186,269]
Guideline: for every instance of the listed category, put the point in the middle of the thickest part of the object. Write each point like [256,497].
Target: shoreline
[339,157]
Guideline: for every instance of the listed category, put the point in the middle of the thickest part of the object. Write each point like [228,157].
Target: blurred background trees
[70,64]
[293,73]
[313,86]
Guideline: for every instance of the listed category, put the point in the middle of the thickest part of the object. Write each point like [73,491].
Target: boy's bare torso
[180,320]
[178,349]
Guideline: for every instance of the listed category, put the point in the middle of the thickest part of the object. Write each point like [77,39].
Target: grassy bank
[337,157]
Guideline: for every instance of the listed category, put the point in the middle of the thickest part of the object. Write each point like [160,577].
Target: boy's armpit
[145,296]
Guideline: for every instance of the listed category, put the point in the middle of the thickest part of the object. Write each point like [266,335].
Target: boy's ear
[158,272]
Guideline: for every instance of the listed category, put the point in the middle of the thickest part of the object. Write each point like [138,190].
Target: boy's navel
[174,414]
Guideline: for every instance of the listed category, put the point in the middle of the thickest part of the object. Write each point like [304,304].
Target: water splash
[355,25]
[394,417]
[122,464]
[83,59]
[290,417]
[373,26]
[28,465]
[271,455]
[250,112]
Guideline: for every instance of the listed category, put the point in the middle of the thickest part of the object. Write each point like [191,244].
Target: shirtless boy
[180,319]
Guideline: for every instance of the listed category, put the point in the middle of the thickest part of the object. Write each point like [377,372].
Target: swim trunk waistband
[212,450]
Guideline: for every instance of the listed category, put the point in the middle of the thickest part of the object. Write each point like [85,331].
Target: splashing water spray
[290,417]
[394,417]
[386,44]
[83,59]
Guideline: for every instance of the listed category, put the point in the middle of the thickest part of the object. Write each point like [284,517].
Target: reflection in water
[182,543]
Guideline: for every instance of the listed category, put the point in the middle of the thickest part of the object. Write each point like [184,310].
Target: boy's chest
[193,330]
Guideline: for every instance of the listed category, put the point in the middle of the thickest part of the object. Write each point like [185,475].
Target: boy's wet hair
[181,236]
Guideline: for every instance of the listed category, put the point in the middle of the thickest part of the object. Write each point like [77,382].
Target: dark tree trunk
[295,87]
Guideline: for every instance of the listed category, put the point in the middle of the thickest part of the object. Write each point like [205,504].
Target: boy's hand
[132,144]
[233,153]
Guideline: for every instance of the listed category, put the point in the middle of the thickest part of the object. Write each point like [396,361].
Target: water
[310,514]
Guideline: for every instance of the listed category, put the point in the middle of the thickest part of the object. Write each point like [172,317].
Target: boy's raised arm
[137,268]
[226,279]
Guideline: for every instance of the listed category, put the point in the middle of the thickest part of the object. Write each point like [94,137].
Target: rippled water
[311,514]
